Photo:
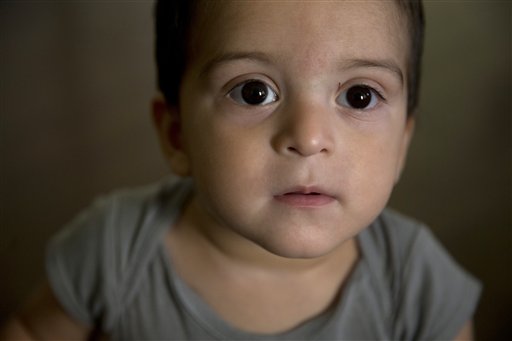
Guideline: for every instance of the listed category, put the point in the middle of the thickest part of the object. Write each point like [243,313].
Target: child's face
[294,119]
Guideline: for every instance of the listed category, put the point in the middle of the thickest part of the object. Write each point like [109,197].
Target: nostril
[293,150]
[288,143]
[304,151]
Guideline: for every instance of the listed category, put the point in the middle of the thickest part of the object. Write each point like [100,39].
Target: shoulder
[118,216]
[389,240]
[393,227]
[114,217]
[89,260]
[433,295]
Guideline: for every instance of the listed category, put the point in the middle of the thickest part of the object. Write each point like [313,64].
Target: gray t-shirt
[110,268]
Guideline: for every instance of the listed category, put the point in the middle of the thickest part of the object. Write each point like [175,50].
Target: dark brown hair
[174,18]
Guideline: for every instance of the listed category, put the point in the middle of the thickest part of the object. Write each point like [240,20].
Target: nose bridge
[306,127]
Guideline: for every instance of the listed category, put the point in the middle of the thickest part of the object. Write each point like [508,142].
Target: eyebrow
[233,56]
[385,64]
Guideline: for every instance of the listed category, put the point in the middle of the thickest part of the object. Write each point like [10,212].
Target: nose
[305,129]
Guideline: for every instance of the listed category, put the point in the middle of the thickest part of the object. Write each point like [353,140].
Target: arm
[43,318]
[466,333]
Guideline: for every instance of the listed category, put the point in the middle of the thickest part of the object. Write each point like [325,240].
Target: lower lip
[305,200]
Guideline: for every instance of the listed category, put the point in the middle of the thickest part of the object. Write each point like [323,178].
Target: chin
[303,249]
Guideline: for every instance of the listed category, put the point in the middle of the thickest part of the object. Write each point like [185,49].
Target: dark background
[76,79]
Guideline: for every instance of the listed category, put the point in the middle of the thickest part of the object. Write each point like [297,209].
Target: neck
[224,247]
[223,267]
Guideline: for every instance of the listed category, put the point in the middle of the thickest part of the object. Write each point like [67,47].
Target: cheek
[374,175]
[230,179]
[223,162]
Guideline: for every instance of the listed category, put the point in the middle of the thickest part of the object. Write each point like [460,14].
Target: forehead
[302,31]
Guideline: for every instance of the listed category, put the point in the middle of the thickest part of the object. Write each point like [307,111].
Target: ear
[404,147]
[168,125]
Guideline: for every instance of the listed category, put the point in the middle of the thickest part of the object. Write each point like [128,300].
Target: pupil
[359,97]
[254,92]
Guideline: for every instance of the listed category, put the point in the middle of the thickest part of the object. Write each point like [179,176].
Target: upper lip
[306,190]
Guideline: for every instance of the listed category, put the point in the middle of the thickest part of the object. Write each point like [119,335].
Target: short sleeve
[437,297]
[94,264]
[75,264]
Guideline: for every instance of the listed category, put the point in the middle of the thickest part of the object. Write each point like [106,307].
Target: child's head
[291,116]
[174,18]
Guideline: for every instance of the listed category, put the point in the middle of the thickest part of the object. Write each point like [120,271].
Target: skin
[303,139]
[245,158]
[239,232]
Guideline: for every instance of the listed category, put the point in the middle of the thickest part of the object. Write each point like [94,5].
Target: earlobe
[168,125]
[404,147]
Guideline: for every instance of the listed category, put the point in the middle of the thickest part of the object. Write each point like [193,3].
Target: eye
[360,97]
[253,92]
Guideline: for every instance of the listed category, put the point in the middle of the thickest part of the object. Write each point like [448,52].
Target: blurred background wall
[76,79]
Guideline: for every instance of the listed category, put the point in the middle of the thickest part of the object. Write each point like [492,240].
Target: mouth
[305,197]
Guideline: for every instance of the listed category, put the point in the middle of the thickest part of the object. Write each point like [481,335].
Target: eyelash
[368,96]
[374,96]
[261,88]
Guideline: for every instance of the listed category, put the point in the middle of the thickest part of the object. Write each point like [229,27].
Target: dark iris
[254,92]
[359,97]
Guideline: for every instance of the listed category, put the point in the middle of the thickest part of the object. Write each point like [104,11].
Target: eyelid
[240,80]
[377,96]
[247,79]
[370,85]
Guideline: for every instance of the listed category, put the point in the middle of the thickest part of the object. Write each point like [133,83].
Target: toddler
[287,124]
